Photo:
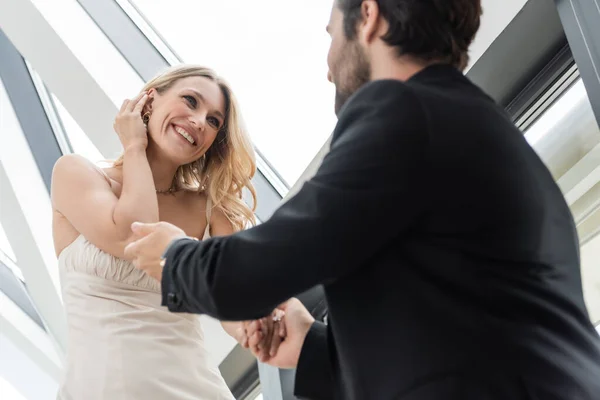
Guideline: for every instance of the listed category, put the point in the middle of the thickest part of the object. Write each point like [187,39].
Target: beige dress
[122,345]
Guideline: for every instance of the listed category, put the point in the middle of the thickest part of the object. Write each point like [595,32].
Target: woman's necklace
[170,190]
[167,191]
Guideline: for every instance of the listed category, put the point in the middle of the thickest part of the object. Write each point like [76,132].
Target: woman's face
[186,118]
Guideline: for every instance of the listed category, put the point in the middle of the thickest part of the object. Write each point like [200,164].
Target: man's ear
[369,25]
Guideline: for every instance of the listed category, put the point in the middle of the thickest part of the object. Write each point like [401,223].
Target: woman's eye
[214,122]
[191,100]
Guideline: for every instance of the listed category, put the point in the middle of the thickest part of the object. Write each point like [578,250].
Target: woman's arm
[138,201]
[236,330]
[82,193]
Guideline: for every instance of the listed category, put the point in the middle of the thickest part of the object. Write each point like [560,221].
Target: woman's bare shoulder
[74,165]
[73,173]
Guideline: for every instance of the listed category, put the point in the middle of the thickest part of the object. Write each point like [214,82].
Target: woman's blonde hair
[228,165]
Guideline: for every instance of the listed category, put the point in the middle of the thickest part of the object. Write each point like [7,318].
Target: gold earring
[146,118]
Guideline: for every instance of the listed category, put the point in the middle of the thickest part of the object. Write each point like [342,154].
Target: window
[91,47]
[5,248]
[26,182]
[289,114]
[566,132]
[79,141]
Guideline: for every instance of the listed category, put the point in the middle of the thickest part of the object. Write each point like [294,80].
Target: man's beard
[353,71]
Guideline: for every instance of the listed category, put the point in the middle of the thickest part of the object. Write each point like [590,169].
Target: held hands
[279,343]
[264,336]
[129,124]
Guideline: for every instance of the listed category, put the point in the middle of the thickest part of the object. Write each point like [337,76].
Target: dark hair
[431,30]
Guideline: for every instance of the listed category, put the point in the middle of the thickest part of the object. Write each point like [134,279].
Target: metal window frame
[29,109]
[531,101]
[14,288]
[581,22]
[252,395]
[52,114]
[527,44]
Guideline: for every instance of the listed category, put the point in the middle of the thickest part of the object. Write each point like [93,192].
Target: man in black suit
[447,252]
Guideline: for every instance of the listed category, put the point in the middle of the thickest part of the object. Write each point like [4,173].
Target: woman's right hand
[129,124]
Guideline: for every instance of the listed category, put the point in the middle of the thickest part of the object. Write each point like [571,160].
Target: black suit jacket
[448,256]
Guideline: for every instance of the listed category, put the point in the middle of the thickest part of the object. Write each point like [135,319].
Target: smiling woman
[186,160]
[221,142]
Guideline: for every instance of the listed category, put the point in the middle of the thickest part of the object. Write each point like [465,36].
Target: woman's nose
[198,121]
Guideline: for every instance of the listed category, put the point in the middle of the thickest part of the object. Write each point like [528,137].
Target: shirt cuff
[314,377]
[171,298]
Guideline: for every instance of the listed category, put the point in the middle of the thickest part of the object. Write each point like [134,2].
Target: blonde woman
[186,160]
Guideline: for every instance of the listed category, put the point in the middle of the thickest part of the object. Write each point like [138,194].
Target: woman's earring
[146,118]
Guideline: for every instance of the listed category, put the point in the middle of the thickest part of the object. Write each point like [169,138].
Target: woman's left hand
[265,335]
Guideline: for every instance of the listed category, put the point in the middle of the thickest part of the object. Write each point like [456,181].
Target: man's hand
[296,322]
[146,252]
[267,334]
[270,329]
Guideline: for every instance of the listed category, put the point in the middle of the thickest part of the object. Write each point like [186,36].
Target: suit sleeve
[314,375]
[368,191]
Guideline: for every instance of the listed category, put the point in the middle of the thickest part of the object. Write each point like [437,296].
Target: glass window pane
[277,67]
[80,142]
[92,48]
[566,132]
[5,245]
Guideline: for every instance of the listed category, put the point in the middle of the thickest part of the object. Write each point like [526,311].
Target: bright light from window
[5,245]
[80,142]
[8,391]
[572,99]
[91,47]
[274,54]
